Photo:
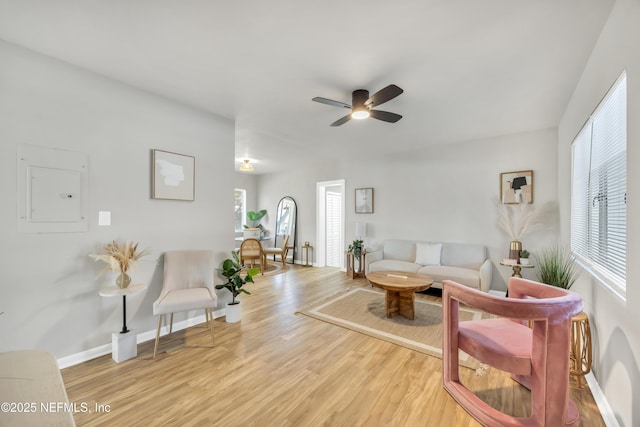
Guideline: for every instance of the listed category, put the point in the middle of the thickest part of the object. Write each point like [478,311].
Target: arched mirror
[286,221]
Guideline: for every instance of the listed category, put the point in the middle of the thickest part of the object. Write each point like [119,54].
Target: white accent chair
[187,284]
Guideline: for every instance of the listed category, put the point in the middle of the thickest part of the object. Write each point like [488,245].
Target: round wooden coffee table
[399,289]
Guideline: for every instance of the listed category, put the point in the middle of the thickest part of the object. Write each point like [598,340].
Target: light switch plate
[104,218]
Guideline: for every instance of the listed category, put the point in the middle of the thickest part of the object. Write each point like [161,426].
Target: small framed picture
[172,176]
[516,187]
[364,200]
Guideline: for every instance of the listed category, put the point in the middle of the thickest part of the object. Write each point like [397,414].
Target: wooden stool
[580,356]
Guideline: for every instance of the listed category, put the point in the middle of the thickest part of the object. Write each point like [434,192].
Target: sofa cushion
[402,250]
[428,253]
[463,255]
[464,276]
[394,265]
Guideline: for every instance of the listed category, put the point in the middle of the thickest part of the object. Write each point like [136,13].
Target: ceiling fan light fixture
[362,105]
[246,166]
[359,114]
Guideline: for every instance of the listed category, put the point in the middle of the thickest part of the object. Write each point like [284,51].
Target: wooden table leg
[392,302]
[400,303]
[407,301]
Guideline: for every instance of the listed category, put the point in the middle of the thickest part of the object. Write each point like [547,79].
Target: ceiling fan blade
[383,95]
[331,102]
[385,116]
[342,121]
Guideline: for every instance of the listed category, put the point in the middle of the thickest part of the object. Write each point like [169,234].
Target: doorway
[330,224]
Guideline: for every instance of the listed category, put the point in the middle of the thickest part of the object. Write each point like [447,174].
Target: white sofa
[31,383]
[467,264]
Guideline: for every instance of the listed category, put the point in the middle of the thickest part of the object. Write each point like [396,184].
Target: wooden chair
[282,251]
[536,357]
[251,251]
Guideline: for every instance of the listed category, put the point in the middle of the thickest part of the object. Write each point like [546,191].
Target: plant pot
[524,261]
[252,233]
[233,313]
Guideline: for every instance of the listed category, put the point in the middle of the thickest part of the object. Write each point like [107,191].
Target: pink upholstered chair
[536,357]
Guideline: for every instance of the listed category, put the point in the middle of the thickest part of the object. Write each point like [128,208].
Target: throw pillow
[428,253]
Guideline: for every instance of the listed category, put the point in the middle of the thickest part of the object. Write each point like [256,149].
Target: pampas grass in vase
[121,257]
[518,221]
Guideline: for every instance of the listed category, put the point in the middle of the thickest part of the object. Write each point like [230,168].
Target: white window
[599,190]
[240,209]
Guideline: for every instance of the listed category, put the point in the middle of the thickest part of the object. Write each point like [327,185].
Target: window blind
[599,188]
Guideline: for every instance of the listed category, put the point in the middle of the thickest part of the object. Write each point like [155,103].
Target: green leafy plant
[231,269]
[355,248]
[255,218]
[524,253]
[556,267]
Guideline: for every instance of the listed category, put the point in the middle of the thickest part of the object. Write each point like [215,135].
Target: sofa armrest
[32,377]
[485,275]
[371,257]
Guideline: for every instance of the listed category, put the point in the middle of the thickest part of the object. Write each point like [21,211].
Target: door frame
[321,223]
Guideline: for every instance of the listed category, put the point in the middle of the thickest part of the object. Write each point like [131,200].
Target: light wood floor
[276,368]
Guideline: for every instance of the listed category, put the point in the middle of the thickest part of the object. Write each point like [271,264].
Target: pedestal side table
[307,261]
[123,345]
[355,271]
[517,268]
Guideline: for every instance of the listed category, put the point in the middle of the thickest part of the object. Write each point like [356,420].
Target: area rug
[363,310]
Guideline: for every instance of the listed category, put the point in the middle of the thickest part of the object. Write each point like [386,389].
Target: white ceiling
[470,68]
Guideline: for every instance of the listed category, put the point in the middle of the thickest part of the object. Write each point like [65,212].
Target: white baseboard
[92,353]
[607,413]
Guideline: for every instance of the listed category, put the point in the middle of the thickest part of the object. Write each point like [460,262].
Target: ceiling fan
[362,105]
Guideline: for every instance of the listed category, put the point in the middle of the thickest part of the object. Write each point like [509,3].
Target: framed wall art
[364,200]
[516,187]
[172,176]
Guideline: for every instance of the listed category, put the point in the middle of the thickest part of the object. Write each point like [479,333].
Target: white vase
[524,261]
[233,312]
[251,233]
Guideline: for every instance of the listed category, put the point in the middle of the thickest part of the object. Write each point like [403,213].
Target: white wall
[444,193]
[615,324]
[300,184]
[248,182]
[49,285]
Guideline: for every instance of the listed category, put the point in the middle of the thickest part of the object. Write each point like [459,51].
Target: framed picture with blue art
[364,200]
[172,176]
[516,187]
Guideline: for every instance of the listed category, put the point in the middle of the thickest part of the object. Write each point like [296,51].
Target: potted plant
[556,267]
[254,229]
[231,269]
[524,257]
[356,268]
[355,248]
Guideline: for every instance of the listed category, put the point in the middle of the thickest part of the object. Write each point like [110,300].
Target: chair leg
[171,324]
[155,349]
[210,317]
[283,257]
